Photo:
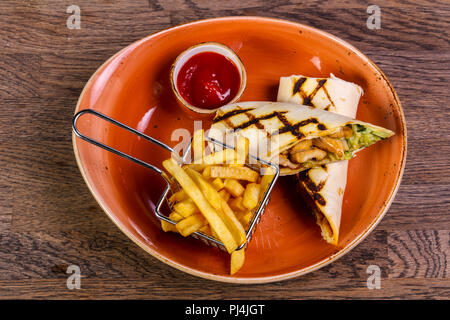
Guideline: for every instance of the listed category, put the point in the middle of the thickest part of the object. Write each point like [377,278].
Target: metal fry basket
[168,191]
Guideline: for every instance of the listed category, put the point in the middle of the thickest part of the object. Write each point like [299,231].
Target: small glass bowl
[206,47]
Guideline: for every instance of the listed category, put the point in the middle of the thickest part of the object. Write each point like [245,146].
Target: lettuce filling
[363,137]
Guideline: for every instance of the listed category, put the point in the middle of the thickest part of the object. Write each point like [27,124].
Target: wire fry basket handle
[115,151]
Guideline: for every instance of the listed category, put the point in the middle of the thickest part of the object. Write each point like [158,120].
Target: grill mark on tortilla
[320,200]
[228,122]
[294,129]
[303,178]
[329,98]
[298,86]
[230,114]
[251,117]
[321,126]
[287,126]
[306,179]
[308,100]
[256,120]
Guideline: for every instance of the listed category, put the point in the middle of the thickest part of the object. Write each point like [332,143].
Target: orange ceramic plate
[133,87]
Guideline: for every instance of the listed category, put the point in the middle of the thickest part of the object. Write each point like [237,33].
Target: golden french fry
[246,219]
[206,229]
[234,224]
[242,148]
[178,196]
[186,207]
[167,226]
[225,195]
[234,187]
[236,204]
[207,172]
[191,224]
[226,214]
[237,260]
[210,214]
[175,216]
[214,234]
[240,214]
[217,183]
[211,195]
[238,173]
[266,179]
[220,157]
[198,145]
[251,195]
[195,166]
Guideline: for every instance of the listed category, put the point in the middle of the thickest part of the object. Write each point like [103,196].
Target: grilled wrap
[330,94]
[296,137]
[323,187]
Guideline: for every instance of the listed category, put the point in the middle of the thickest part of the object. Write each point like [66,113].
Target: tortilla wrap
[274,128]
[323,187]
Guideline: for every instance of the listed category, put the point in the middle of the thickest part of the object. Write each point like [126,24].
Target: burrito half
[323,187]
[296,137]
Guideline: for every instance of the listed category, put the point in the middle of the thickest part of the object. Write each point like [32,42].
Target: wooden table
[49,220]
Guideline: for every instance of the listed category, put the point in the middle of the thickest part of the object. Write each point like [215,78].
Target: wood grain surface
[49,220]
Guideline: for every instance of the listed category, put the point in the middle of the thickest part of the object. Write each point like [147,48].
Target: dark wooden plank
[419,254]
[416,206]
[37,119]
[41,26]
[397,289]
[6,208]
[64,74]
[417,26]
[107,256]
[19,75]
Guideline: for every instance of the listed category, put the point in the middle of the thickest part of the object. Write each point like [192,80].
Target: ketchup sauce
[208,80]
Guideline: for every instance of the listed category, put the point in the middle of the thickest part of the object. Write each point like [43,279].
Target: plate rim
[264,279]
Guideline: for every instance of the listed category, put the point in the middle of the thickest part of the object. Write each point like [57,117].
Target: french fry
[167,226]
[238,173]
[207,172]
[266,179]
[178,196]
[190,224]
[225,195]
[251,196]
[210,214]
[175,216]
[186,208]
[206,229]
[211,195]
[198,145]
[214,234]
[226,214]
[234,224]
[220,157]
[234,187]
[195,166]
[237,260]
[237,205]
[242,147]
[246,219]
[240,214]
[217,183]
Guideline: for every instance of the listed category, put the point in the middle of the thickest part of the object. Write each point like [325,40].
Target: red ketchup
[208,80]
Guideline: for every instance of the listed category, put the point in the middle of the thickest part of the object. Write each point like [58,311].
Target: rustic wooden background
[49,219]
